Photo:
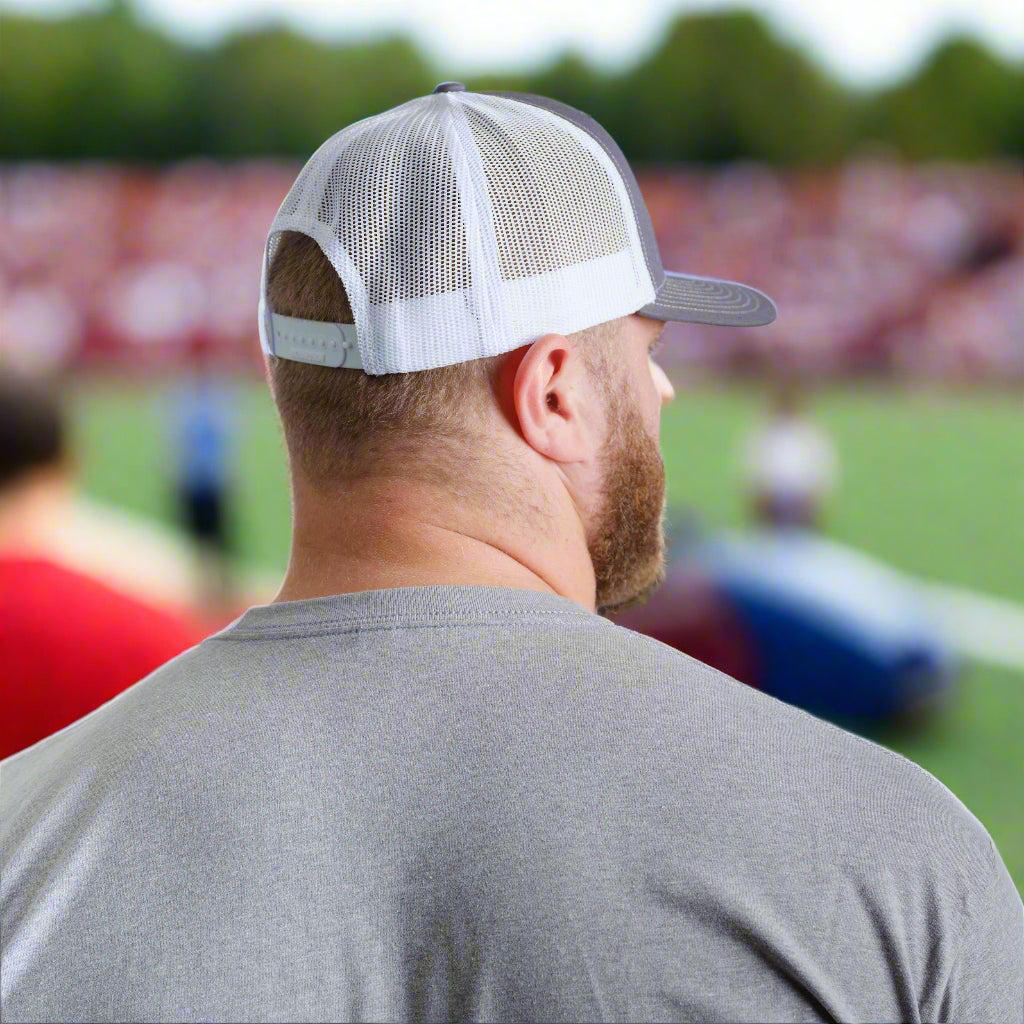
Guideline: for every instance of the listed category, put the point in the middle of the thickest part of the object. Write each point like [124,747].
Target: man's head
[33,435]
[439,425]
[462,293]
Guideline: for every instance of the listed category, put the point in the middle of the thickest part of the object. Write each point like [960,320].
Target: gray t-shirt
[466,803]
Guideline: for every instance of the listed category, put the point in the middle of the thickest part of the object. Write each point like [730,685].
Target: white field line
[987,628]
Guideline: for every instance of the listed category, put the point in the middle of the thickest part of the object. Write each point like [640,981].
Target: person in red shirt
[69,642]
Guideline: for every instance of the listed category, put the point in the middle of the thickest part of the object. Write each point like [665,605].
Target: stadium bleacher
[879,266]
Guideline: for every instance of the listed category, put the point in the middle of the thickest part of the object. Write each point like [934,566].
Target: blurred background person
[69,642]
[202,409]
[790,463]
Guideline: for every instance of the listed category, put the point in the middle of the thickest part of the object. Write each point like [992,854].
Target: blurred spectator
[790,464]
[68,642]
[690,613]
[101,263]
[47,325]
[203,412]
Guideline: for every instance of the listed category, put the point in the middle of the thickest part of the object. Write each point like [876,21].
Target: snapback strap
[312,341]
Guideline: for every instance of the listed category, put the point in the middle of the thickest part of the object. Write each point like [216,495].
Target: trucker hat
[467,224]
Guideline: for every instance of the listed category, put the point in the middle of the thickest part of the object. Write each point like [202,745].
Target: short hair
[338,422]
[32,427]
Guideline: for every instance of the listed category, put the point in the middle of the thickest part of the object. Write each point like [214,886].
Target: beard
[627,541]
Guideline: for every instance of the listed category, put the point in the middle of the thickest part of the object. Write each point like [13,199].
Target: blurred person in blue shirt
[203,426]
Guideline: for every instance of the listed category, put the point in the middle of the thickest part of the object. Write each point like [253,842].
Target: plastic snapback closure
[311,341]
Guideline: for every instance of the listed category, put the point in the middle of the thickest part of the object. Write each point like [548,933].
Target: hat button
[450,87]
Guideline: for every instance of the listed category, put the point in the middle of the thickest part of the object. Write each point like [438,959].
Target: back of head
[339,423]
[418,246]
[32,428]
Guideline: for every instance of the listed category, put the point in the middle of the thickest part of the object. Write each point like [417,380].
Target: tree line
[718,86]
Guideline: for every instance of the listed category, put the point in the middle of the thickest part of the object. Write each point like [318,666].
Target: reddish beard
[627,541]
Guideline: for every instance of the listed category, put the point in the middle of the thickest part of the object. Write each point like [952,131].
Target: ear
[554,403]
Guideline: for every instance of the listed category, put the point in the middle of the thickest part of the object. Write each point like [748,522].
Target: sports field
[933,482]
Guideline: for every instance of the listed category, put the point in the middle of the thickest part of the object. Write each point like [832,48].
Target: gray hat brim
[707,300]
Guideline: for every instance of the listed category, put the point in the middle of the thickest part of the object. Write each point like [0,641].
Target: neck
[32,509]
[384,533]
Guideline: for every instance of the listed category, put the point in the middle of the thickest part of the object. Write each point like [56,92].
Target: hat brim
[707,300]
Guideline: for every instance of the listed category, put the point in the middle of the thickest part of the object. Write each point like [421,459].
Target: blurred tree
[572,80]
[719,86]
[95,84]
[499,82]
[274,91]
[963,102]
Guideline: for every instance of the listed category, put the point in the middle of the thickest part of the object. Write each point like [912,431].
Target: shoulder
[126,729]
[31,586]
[79,639]
[859,793]
[752,784]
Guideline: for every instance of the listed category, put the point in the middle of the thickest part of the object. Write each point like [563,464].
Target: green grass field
[931,482]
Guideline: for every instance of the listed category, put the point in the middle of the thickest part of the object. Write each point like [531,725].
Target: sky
[864,42]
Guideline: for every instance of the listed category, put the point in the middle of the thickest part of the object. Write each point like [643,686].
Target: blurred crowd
[878,266]
[100,262]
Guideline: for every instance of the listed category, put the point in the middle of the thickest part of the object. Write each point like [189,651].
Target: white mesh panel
[568,248]
[553,206]
[464,226]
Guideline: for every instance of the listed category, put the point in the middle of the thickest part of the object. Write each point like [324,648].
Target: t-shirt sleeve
[987,979]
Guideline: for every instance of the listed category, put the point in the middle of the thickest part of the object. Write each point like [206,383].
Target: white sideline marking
[988,628]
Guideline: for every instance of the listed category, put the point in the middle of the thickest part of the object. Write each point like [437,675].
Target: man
[201,436]
[70,640]
[429,782]
[790,463]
